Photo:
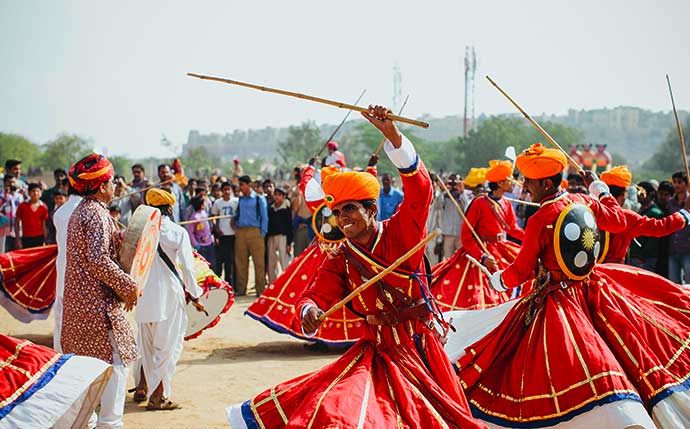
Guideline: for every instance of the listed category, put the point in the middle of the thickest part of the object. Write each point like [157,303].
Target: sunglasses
[347,209]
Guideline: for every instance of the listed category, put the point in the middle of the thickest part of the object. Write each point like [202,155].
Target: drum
[140,243]
[217,298]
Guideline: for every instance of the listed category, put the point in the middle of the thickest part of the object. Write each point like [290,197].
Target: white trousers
[160,346]
[277,253]
[113,399]
[57,324]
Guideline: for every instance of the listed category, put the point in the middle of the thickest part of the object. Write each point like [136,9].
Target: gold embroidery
[575,346]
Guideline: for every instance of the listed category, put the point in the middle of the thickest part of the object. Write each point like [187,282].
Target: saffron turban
[87,174]
[499,170]
[539,162]
[617,176]
[348,186]
[159,197]
[475,177]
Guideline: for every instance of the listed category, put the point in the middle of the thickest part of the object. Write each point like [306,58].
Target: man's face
[245,189]
[59,177]
[278,198]
[217,193]
[505,185]
[664,197]
[35,194]
[164,173]
[227,192]
[386,181]
[59,200]
[108,190]
[16,171]
[10,185]
[138,174]
[536,187]
[269,188]
[352,218]
[679,186]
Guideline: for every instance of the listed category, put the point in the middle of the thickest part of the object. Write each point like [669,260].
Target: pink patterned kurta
[93,281]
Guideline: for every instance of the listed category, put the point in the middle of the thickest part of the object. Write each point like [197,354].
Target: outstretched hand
[310,321]
[378,116]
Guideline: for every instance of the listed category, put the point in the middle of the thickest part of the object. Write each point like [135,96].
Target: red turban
[348,186]
[89,173]
[333,145]
[539,162]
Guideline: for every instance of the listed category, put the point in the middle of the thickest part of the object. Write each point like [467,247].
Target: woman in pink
[200,233]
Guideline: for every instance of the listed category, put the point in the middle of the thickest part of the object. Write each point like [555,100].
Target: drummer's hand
[310,321]
[131,300]
[199,307]
[491,264]
[378,116]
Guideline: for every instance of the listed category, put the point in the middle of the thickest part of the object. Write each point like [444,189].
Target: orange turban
[499,170]
[348,186]
[617,176]
[539,162]
[475,177]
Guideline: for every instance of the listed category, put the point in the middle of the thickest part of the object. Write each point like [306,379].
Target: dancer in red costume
[458,284]
[27,282]
[41,388]
[596,348]
[619,180]
[277,306]
[397,375]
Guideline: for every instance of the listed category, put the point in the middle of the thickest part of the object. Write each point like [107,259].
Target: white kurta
[61,220]
[161,314]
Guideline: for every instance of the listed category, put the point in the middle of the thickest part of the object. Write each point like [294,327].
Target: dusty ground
[233,361]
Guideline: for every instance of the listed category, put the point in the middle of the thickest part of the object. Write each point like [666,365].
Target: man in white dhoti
[61,220]
[161,315]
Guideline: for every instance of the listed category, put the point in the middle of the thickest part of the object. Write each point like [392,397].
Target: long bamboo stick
[542,131]
[382,274]
[308,97]
[155,185]
[464,218]
[340,125]
[380,146]
[680,130]
[204,219]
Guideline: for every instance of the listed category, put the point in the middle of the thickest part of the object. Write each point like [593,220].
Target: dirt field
[236,359]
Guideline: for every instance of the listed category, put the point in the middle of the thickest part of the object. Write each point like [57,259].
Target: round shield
[324,225]
[576,241]
[140,243]
[605,240]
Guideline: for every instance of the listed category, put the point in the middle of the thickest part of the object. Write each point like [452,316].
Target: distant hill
[632,132]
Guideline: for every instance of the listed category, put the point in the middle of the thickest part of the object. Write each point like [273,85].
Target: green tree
[302,143]
[667,159]
[14,146]
[122,166]
[64,151]
[198,162]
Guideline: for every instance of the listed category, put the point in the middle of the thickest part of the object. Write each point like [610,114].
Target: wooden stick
[464,218]
[204,219]
[542,131]
[525,203]
[155,185]
[380,146]
[340,125]
[308,97]
[419,246]
[680,130]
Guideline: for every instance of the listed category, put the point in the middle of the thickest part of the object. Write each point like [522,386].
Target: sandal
[164,405]
[139,395]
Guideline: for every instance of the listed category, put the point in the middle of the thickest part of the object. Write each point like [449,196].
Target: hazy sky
[115,71]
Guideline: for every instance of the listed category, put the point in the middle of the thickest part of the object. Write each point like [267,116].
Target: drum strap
[170,265]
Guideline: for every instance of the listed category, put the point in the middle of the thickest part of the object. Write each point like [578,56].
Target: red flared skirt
[28,280]
[393,378]
[276,307]
[458,284]
[623,334]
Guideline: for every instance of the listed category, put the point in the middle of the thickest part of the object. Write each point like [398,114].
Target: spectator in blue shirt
[251,226]
[389,198]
